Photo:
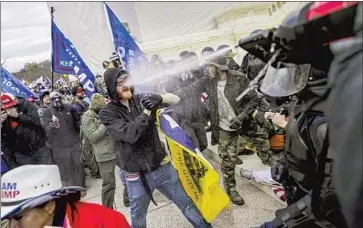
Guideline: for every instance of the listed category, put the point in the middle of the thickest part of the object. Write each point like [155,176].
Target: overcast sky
[25,33]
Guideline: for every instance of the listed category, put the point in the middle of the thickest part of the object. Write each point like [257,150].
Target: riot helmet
[285,81]
[292,79]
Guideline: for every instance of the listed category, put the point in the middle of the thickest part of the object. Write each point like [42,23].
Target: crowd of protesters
[46,146]
[116,127]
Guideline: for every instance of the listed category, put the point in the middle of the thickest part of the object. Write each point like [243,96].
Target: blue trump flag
[66,60]
[11,84]
[47,82]
[131,55]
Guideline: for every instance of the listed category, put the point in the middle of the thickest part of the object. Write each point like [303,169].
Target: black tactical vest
[309,161]
[302,144]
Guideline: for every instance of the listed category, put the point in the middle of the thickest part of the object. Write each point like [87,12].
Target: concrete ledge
[250,162]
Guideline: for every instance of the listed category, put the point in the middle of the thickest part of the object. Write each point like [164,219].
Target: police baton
[254,83]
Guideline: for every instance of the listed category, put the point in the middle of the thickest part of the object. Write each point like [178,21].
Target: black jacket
[81,106]
[28,135]
[344,113]
[67,135]
[190,109]
[137,141]
[235,85]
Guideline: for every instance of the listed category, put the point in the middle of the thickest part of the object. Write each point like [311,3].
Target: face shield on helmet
[282,82]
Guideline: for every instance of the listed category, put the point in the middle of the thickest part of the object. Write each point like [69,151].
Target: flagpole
[51,57]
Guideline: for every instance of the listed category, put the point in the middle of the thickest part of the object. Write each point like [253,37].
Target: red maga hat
[7,100]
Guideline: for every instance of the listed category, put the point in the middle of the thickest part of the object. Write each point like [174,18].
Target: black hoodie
[137,141]
[25,133]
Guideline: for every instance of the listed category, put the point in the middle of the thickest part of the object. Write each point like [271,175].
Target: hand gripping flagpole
[51,57]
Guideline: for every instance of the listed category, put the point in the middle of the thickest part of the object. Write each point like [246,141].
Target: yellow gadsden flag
[199,179]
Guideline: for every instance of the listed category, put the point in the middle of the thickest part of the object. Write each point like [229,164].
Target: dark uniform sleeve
[344,112]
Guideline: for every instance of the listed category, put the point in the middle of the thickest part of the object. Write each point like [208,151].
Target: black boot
[235,197]
[126,200]
[239,161]
[245,151]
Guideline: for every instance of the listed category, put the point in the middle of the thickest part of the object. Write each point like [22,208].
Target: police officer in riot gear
[302,38]
[306,169]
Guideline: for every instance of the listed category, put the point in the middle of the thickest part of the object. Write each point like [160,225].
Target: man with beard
[78,102]
[227,116]
[62,124]
[141,154]
[22,135]
[190,113]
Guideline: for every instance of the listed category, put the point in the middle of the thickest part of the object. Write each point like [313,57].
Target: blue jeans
[166,180]
[121,173]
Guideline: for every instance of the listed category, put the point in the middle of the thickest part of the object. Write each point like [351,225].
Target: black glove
[237,121]
[279,172]
[152,101]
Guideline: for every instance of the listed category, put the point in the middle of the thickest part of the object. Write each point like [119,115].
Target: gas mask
[57,102]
